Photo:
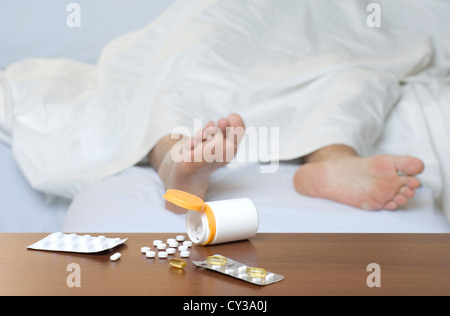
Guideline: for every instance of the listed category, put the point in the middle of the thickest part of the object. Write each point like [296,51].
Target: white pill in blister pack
[76,243]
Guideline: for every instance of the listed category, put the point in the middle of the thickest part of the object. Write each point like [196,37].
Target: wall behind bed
[38,28]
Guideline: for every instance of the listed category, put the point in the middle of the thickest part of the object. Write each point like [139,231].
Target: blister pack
[76,243]
[239,270]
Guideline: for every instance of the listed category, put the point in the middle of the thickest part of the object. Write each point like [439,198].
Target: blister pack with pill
[239,270]
[76,243]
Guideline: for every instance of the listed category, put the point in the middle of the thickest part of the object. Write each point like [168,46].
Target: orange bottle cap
[184,200]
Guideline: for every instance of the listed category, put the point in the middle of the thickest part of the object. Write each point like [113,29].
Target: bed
[131,201]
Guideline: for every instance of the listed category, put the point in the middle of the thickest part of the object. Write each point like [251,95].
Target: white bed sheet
[132,202]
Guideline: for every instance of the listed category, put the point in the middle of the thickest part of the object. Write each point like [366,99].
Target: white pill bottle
[209,223]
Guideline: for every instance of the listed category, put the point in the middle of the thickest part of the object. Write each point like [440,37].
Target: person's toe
[407,192]
[400,200]
[223,124]
[411,182]
[236,120]
[391,205]
[409,165]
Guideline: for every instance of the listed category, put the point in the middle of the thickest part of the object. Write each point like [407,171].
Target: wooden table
[313,264]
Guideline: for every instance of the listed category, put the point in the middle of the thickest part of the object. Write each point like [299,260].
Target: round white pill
[182,248]
[156,242]
[180,238]
[150,254]
[115,256]
[84,239]
[99,240]
[145,249]
[169,240]
[56,235]
[161,246]
[69,238]
[171,251]
[187,243]
[162,254]
[185,254]
[173,244]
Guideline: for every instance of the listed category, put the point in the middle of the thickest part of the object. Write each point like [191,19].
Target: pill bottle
[209,223]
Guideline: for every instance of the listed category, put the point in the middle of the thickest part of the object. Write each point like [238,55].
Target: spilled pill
[156,242]
[177,263]
[161,246]
[182,248]
[171,251]
[185,254]
[115,256]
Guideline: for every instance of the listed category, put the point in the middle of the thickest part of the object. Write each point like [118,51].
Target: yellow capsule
[177,263]
[256,272]
[216,260]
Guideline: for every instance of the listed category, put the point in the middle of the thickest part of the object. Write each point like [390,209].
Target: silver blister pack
[76,243]
[240,271]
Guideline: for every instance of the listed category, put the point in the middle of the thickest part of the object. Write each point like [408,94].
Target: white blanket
[313,69]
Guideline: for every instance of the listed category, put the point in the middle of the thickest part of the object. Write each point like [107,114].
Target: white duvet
[313,69]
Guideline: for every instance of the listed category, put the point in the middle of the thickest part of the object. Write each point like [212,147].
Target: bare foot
[374,183]
[211,148]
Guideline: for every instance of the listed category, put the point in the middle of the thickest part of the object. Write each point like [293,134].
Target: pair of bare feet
[334,172]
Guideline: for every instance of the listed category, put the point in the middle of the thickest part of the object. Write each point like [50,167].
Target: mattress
[132,202]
